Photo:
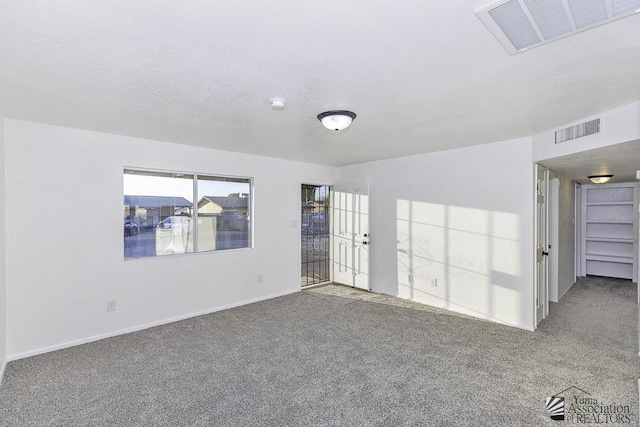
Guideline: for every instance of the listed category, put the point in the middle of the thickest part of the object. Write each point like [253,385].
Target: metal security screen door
[315,246]
[350,233]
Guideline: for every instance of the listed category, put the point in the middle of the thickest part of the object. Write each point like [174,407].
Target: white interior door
[542,238]
[350,235]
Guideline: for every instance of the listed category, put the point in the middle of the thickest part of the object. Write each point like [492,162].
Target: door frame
[553,229]
[539,247]
[579,270]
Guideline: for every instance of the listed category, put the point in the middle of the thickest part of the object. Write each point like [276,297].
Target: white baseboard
[99,337]
[566,290]
[2,369]
[455,308]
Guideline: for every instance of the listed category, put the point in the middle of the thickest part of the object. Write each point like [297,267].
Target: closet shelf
[609,234]
[609,203]
[611,258]
[610,239]
[608,221]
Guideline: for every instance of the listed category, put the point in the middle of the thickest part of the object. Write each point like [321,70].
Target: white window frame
[195,195]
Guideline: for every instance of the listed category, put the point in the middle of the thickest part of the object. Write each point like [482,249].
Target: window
[161,217]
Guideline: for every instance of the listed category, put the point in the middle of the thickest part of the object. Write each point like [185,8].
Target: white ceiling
[421,75]
[620,160]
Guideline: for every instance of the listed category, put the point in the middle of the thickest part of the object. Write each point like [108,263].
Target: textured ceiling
[421,75]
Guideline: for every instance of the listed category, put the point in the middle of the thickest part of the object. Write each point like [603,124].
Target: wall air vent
[578,131]
[524,24]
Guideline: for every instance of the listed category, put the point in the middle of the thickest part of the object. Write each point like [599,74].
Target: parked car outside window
[130,228]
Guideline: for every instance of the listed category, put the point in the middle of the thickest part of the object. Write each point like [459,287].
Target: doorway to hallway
[315,235]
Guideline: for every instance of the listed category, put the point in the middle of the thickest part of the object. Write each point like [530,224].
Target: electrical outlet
[111,305]
[410,278]
[260,278]
[435,282]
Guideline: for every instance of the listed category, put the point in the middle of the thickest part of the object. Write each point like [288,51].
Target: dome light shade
[600,179]
[336,120]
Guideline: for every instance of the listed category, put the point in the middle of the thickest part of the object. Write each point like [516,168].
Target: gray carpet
[320,358]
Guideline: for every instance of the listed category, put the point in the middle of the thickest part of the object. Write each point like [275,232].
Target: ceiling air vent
[523,24]
[578,131]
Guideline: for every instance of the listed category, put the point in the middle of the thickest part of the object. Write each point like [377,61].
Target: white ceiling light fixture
[520,25]
[337,119]
[600,179]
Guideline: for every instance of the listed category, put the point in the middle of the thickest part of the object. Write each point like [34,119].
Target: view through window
[161,218]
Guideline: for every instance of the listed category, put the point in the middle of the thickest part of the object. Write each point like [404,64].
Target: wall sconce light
[337,119]
[600,179]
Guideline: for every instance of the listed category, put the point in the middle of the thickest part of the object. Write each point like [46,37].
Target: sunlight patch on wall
[458,257]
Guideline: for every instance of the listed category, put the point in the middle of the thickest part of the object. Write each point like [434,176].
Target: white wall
[65,249]
[3,288]
[461,220]
[617,126]
[566,235]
